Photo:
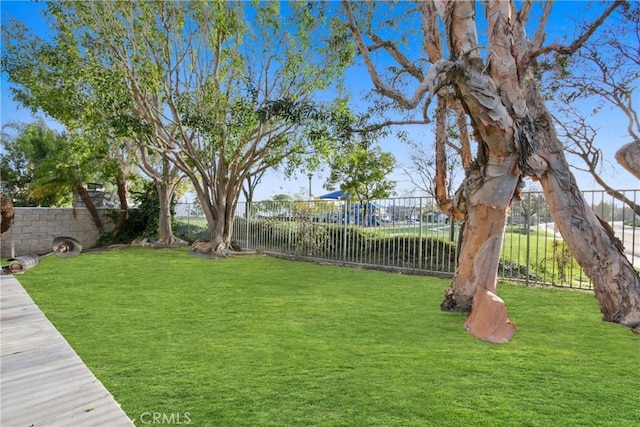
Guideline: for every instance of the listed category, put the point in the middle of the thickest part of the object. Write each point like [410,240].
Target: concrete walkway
[43,382]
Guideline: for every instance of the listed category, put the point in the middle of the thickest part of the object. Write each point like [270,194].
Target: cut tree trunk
[628,156]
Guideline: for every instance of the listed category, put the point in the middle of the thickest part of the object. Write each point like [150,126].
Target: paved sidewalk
[43,382]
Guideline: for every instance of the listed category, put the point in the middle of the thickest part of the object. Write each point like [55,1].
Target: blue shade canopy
[335,195]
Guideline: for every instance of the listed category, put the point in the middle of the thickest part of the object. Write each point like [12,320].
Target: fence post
[246,222]
[344,231]
[420,216]
[528,240]
[292,220]
[189,221]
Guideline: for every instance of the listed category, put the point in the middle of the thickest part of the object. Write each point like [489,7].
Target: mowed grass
[258,341]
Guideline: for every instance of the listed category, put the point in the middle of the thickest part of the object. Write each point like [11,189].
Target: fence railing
[411,235]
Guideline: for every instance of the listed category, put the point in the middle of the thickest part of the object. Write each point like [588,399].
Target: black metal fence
[411,235]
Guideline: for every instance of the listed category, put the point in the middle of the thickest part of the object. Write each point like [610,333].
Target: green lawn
[256,341]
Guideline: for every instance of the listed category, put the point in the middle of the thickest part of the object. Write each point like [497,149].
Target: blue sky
[611,125]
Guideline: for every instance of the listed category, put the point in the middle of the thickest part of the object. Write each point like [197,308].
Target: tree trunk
[228,228]
[364,219]
[515,138]
[88,203]
[220,214]
[221,231]
[124,204]
[616,284]
[478,257]
[6,208]
[219,241]
[474,283]
[487,193]
[165,230]
[166,179]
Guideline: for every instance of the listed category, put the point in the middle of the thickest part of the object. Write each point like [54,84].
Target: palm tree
[66,170]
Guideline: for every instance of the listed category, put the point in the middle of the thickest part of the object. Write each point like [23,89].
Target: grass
[193,221]
[257,341]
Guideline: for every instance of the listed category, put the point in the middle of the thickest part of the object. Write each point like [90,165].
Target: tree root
[203,248]
[171,242]
[451,304]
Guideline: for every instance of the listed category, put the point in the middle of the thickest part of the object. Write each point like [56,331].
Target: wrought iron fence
[411,235]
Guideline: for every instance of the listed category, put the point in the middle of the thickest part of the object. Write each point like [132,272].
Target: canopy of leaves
[224,90]
[362,172]
[32,166]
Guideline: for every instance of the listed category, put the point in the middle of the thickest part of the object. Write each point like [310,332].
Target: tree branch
[395,53]
[577,43]
[428,85]
[385,124]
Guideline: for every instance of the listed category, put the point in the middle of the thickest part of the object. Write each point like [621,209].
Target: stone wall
[35,228]
[100,199]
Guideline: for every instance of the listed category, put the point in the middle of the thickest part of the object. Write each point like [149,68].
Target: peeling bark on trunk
[487,192]
[474,283]
[489,319]
[478,257]
[616,283]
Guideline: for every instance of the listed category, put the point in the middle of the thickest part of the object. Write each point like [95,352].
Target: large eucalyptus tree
[482,64]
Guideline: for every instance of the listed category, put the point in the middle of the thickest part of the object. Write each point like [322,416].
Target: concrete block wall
[35,228]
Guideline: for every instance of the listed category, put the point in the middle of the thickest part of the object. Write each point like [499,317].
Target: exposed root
[451,304]
[203,248]
[172,242]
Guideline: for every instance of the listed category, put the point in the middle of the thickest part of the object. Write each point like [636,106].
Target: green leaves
[224,90]
[362,171]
